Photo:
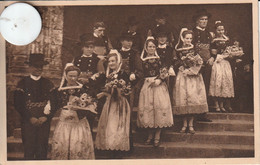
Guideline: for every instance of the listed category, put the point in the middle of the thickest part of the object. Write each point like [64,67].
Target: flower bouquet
[235,51]
[164,73]
[84,102]
[121,85]
[190,60]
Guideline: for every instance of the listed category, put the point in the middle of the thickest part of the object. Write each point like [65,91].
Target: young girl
[72,137]
[221,82]
[114,122]
[189,94]
[154,111]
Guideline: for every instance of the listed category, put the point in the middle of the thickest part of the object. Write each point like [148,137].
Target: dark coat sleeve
[20,100]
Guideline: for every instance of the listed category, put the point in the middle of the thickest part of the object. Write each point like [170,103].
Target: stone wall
[49,43]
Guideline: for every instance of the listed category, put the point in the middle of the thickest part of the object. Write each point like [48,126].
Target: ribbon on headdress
[145,50]
[119,62]
[64,78]
[181,39]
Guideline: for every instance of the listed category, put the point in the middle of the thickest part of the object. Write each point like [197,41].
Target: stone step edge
[198,133]
[167,145]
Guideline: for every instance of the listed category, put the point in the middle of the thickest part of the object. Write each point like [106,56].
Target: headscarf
[181,40]
[145,50]
[225,38]
[64,79]
[119,62]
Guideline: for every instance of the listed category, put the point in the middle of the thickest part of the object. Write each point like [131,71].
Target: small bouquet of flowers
[124,88]
[190,60]
[164,73]
[84,102]
[235,51]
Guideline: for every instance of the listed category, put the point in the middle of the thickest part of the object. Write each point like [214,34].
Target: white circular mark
[20,24]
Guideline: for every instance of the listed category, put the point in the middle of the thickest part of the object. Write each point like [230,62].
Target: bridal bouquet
[84,102]
[124,88]
[190,60]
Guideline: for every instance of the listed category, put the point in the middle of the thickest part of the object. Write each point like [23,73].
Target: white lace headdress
[145,50]
[64,79]
[181,39]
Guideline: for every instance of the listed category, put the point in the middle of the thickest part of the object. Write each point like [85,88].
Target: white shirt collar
[35,78]
[95,35]
[124,49]
[162,46]
[200,28]
[83,55]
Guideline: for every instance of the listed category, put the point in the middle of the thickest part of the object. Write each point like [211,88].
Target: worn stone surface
[49,42]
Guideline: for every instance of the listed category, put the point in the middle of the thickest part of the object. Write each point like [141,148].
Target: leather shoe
[156,143]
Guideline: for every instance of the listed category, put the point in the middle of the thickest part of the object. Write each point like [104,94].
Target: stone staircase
[229,135]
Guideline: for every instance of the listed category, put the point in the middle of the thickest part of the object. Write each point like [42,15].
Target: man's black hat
[36,60]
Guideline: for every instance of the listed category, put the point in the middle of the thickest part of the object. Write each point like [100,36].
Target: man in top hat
[161,21]
[132,29]
[30,100]
[101,41]
[202,39]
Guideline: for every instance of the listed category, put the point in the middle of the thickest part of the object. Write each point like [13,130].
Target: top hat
[36,60]
[126,36]
[131,21]
[199,13]
[160,14]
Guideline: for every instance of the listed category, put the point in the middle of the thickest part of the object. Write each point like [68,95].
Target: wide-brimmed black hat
[36,60]
[131,21]
[126,36]
[199,13]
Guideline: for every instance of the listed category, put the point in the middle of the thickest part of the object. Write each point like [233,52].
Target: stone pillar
[49,43]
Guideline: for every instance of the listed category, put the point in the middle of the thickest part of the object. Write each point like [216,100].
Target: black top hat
[160,14]
[131,21]
[199,13]
[126,36]
[36,60]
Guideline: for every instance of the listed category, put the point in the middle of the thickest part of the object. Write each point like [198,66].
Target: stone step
[231,116]
[210,115]
[216,115]
[243,138]
[173,150]
[214,126]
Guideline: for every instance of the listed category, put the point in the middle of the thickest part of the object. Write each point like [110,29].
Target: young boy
[132,64]
[166,55]
[88,62]
[89,65]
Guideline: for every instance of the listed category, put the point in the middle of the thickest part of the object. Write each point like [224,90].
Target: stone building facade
[49,42]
